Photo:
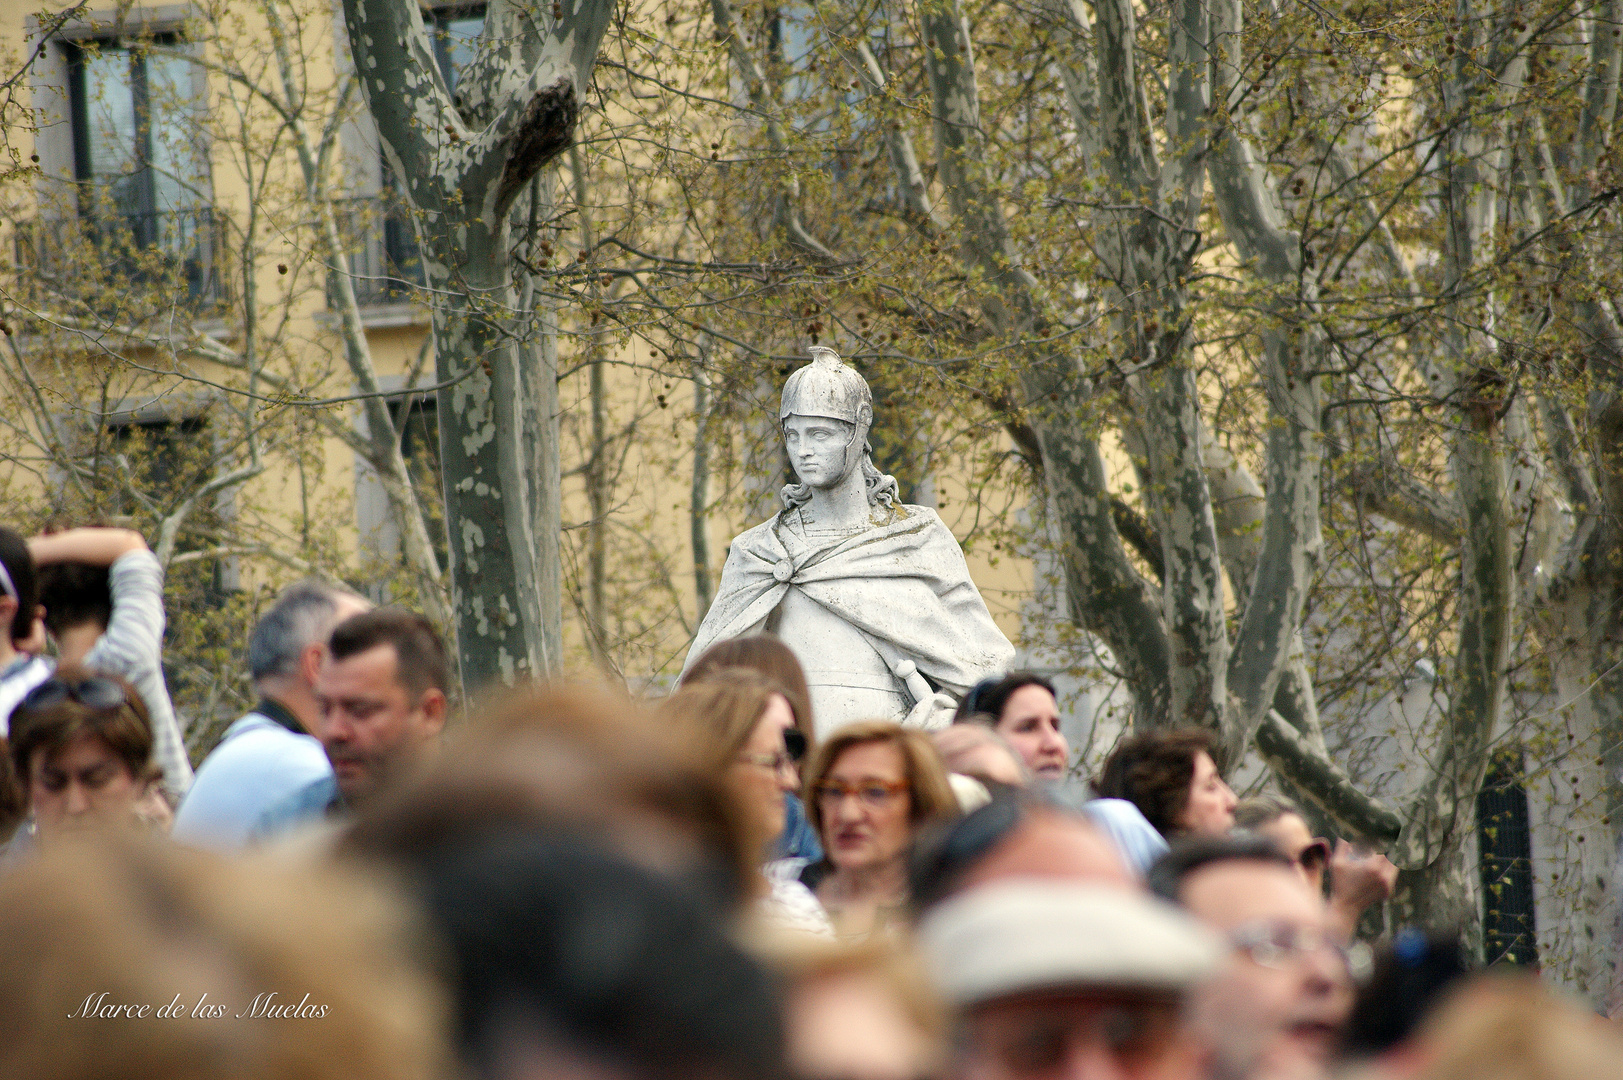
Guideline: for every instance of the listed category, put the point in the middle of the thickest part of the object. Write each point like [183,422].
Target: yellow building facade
[177,357]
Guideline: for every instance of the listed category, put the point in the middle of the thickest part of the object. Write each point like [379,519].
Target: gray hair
[302,616]
[1255,811]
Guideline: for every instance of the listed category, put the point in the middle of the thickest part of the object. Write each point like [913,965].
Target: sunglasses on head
[92,693]
[794,744]
[939,859]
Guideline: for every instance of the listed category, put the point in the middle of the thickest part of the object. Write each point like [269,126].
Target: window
[417,418]
[455,33]
[132,164]
[135,146]
[1504,839]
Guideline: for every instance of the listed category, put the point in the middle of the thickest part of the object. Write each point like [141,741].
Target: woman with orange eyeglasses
[869,787]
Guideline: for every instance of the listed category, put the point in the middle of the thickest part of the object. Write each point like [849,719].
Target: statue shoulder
[757,541]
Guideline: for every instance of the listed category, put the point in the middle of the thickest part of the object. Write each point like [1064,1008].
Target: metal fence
[384,263]
[103,260]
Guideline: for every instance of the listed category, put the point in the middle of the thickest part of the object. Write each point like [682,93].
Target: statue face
[817,448]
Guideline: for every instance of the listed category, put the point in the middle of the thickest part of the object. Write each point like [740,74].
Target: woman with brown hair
[733,722]
[871,786]
[1173,779]
[768,655]
[81,747]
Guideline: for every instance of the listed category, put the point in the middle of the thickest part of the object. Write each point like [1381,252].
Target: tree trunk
[462,165]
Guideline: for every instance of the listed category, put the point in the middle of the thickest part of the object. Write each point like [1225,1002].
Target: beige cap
[1023,935]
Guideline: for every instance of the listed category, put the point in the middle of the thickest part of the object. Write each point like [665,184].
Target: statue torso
[847,677]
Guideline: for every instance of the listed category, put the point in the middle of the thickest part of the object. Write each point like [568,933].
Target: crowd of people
[363,881]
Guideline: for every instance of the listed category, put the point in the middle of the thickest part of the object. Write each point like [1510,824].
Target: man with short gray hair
[271,752]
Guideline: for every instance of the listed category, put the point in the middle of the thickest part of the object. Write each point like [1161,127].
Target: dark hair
[1410,975]
[992,695]
[767,654]
[420,664]
[1166,875]
[1153,771]
[556,942]
[75,594]
[24,578]
[126,729]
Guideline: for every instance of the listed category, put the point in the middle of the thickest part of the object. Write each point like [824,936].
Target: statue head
[827,389]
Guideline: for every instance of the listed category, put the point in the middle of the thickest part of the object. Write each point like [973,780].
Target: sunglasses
[1314,857]
[92,693]
[794,744]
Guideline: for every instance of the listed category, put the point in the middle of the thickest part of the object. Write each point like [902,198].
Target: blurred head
[1411,974]
[1280,820]
[1027,713]
[19,586]
[735,721]
[81,745]
[290,642]
[1062,980]
[1172,777]
[768,655]
[1506,1027]
[1277,1005]
[569,960]
[972,748]
[382,697]
[870,785]
[74,594]
[1013,836]
[575,758]
[857,1011]
[102,923]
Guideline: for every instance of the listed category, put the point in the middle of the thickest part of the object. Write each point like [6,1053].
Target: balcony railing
[384,263]
[112,262]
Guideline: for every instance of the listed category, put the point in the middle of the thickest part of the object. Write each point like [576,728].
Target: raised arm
[92,547]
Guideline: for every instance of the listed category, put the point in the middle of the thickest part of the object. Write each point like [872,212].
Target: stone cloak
[904,585]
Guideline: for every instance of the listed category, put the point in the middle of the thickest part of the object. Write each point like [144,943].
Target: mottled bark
[1292,355]
[1443,814]
[1106,594]
[462,164]
[1144,247]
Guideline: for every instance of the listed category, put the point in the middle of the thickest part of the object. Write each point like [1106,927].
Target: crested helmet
[827,387]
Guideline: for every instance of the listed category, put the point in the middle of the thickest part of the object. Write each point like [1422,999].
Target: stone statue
[873,596]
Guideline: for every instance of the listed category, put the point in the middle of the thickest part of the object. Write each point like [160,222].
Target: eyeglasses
[93,693]
[871,793]
[1278,945]
[776,762]
[1314,857]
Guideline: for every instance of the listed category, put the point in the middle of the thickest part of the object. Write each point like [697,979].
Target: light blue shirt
[257,765]
[305,806]
[1137,840]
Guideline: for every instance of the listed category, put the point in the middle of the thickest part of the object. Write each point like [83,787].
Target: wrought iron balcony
[113,262]
[384,263]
